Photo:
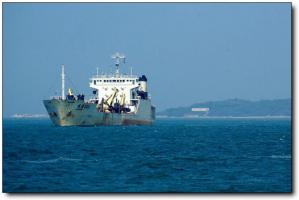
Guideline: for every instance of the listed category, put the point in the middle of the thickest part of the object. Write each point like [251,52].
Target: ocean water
[173,155]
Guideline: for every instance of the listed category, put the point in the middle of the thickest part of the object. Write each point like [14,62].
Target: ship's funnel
[143,83]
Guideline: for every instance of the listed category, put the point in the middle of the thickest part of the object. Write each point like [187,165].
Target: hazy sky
[190,52]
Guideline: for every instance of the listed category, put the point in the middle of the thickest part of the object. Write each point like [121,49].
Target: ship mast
[118,58]
[62,82]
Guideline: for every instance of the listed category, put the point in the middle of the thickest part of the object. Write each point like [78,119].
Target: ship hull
[80,113]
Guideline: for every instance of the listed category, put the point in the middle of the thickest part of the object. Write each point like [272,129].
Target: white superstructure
[127,86]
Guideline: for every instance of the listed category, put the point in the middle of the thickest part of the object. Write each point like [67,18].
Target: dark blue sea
[173,155]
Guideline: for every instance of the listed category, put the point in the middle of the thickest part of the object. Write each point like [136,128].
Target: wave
[282,156]
[272,156]
[51,160]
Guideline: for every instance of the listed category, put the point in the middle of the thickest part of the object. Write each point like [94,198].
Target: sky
[190,52]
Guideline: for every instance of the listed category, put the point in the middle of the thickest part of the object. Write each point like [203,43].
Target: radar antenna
[118,59]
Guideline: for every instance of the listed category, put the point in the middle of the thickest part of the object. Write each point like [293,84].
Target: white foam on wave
[51,160]
[282,156]
[272,156]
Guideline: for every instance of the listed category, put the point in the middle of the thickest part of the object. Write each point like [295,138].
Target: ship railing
[56,97]
[91,99]
[113,76]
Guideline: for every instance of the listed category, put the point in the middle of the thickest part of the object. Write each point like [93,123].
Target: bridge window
[94,82]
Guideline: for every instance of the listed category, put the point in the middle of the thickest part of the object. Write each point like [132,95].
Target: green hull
[80,113]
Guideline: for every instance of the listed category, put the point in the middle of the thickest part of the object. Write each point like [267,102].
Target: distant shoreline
[225,117]
[172,117]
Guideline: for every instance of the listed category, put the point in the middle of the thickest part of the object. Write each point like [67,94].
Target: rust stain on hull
[136,122]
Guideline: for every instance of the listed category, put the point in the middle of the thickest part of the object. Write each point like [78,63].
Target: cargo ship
[118,99]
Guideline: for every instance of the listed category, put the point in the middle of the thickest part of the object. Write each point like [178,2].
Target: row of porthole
[118,81]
